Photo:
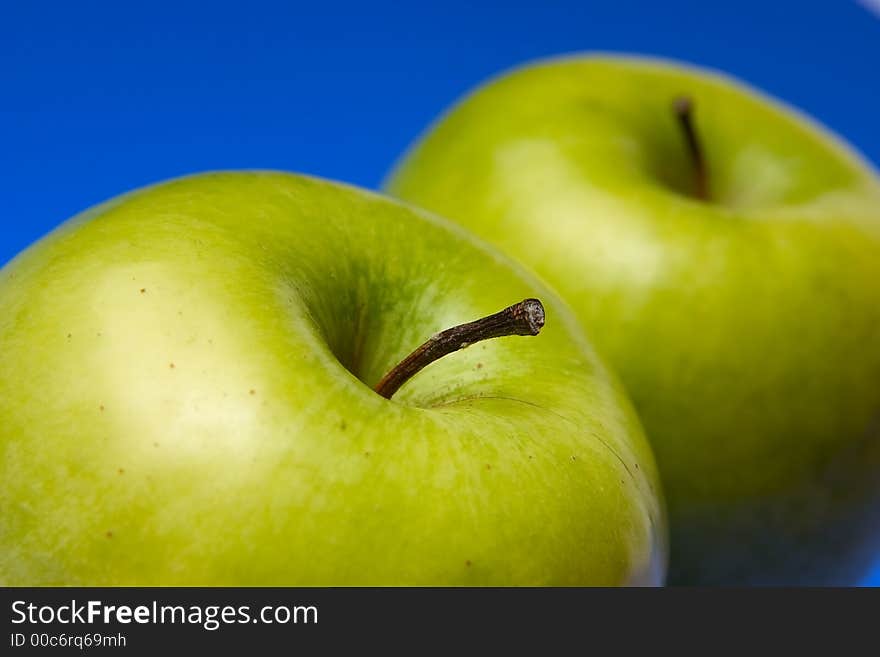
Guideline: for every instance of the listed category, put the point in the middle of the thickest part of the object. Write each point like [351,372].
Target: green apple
[186,399]
[723,252]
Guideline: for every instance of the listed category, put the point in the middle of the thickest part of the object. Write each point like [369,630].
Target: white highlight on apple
[871,5]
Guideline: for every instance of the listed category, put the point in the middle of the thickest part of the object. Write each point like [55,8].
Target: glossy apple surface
[745,326]
[185,400]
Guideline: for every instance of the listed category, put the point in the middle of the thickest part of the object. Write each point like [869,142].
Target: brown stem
[523,318]
[683,106]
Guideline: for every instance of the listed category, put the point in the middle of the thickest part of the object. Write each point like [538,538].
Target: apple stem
[523,318]
[683,106]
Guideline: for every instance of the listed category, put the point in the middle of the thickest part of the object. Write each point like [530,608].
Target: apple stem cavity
[683,106]
[523,318]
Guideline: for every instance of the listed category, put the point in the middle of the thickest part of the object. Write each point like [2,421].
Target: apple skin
[181,403]
[746,328]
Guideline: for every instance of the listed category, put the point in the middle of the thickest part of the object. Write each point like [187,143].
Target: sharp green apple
[723,252]
[207,382]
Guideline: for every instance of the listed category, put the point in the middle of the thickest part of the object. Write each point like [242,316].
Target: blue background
[97,98]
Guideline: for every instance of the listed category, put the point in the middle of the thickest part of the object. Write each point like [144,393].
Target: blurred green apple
[185,399]
[724,253]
